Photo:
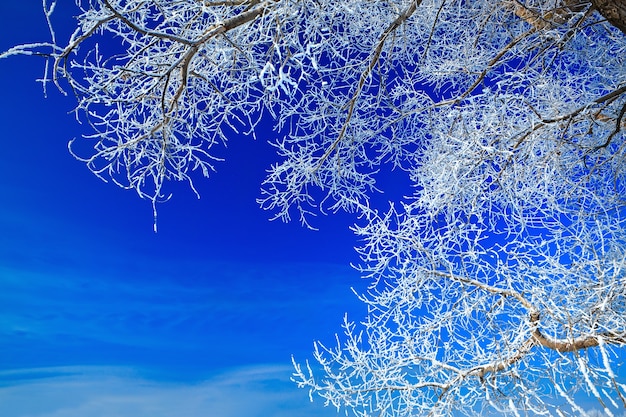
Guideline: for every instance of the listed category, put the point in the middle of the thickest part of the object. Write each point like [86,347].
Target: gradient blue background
[99,316]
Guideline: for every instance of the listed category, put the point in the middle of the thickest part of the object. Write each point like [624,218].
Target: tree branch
[579,343]
[373,61]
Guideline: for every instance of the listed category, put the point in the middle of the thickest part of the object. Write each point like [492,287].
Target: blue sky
[99,316]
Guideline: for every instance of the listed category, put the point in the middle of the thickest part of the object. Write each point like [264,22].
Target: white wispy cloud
[152,305]
[259,391]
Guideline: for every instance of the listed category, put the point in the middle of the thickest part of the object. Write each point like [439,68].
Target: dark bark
[614,11]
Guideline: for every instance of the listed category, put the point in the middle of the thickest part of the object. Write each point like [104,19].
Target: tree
[498,284]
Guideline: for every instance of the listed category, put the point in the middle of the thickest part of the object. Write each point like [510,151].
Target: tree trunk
[614,11]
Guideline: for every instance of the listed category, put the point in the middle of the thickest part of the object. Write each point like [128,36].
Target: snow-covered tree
[498,283]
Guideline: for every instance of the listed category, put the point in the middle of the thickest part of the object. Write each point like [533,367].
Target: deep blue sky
[99,316]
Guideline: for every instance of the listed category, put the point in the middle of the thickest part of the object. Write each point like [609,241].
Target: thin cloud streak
[44,304]
[258,391]
[186,321]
